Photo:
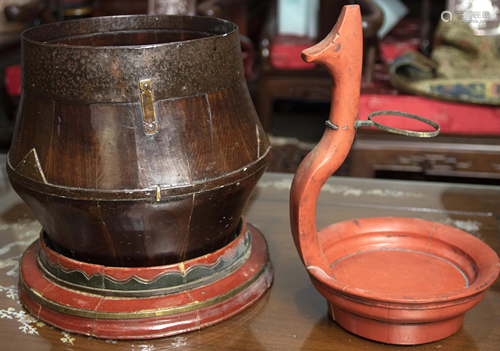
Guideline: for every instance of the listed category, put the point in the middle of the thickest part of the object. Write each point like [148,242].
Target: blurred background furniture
[466,151]
[451,157]
[299,81]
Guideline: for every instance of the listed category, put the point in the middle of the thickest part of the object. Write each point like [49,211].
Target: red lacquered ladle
[454,267]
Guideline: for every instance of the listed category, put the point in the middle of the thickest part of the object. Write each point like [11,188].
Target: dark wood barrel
[136,142]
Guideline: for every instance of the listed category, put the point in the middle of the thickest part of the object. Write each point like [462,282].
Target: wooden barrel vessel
[136,142]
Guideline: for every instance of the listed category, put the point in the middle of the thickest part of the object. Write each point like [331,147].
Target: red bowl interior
[407,260]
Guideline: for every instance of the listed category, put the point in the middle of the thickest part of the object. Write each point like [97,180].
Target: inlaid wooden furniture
[292,315]
[444,156]
[309,84]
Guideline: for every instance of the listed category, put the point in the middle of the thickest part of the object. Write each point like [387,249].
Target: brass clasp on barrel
[148,108]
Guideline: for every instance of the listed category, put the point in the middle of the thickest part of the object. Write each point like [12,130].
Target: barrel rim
[112,74]
[58,27]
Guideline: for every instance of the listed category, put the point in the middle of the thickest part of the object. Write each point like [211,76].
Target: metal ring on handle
[371,123]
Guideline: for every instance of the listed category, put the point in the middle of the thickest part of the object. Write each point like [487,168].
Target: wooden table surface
[291,315]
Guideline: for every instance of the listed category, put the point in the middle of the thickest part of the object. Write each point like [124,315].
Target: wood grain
[114,193]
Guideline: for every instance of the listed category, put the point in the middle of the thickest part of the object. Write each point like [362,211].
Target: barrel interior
[131,38]
[138,30]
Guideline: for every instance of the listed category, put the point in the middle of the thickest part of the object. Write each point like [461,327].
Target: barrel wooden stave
[107,192]
[104,145]
[141,233]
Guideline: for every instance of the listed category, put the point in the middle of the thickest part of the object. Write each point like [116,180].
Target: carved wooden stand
[144,302]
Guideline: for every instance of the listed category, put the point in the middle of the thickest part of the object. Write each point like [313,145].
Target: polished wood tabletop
[291,315]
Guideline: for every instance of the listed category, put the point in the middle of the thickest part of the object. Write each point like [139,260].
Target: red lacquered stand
[394,280]
[146,302]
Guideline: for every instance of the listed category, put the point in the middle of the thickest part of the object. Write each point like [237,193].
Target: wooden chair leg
[370,63]
[265,106]
[360,166]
